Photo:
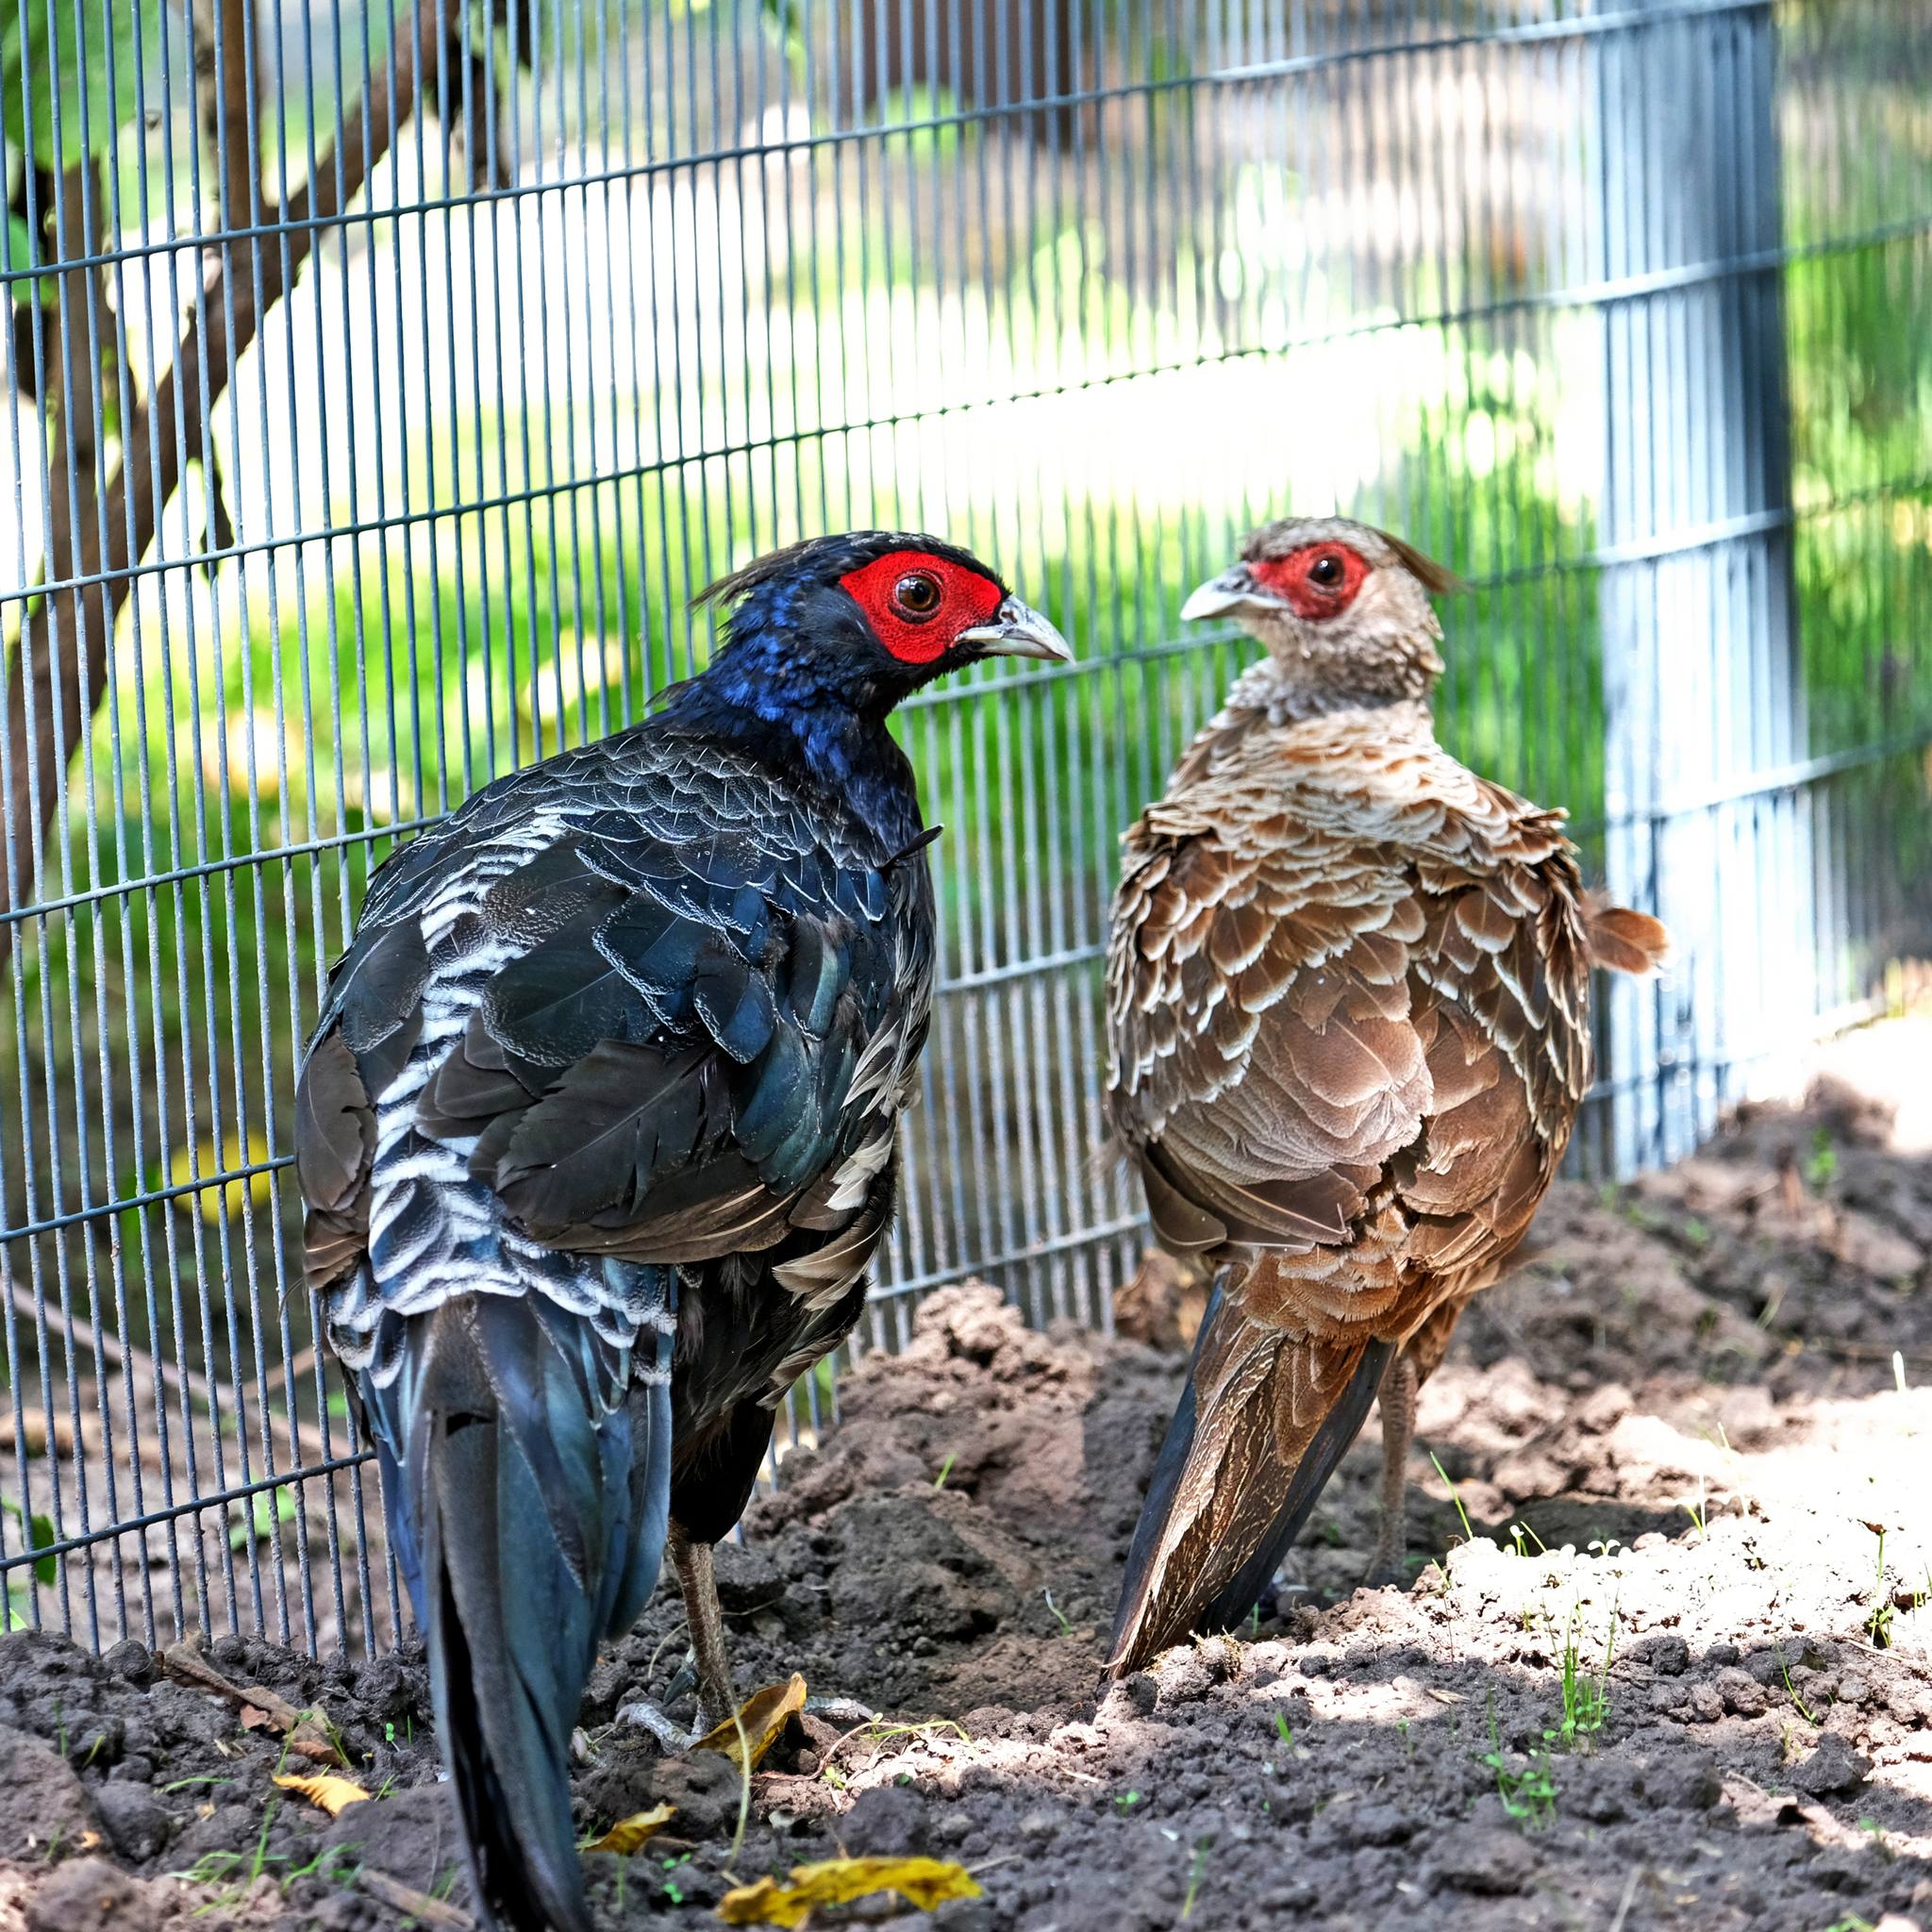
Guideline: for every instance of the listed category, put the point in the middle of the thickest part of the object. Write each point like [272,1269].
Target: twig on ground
[112,1352]
[412,1904]
[1630,1894]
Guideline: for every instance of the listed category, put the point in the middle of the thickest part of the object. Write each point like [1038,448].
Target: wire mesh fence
[383,379]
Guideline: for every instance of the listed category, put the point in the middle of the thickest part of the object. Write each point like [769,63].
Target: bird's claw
[667,1731]
[840,1711]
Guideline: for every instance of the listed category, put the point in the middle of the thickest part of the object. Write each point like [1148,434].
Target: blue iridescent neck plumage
[807,711]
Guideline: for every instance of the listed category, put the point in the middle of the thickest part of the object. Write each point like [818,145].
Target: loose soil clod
[1673,1680]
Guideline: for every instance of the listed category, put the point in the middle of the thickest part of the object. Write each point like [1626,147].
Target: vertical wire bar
[944,298]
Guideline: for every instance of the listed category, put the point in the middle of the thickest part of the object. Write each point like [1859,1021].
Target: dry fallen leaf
[923,1882]
[627,1834]
[761,1716]
[259,1709]
[334,1794]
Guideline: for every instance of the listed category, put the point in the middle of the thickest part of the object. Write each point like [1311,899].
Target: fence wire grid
[382,378]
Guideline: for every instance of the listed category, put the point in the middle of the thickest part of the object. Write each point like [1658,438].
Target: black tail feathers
[529,1460]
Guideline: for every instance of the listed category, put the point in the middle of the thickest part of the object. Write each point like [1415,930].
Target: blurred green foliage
[457,650]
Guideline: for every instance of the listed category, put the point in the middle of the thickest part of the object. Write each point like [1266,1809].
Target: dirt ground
[1676,1439]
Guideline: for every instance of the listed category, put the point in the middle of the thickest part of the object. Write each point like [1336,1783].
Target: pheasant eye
[916,597]
[1326,571]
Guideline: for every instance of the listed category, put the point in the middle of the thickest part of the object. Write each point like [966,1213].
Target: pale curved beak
[1232,591]
[1018,630]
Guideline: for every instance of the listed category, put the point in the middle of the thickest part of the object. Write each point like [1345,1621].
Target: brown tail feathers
[1263,1423]
[1623,941]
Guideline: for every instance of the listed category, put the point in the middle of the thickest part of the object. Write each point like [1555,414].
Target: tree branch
[97,535]
[240,119]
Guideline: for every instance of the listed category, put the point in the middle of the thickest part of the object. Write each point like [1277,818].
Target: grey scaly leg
[698,1581]
[1397,1402]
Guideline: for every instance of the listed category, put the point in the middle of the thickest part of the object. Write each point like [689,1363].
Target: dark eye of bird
[1325,570]
[917,597]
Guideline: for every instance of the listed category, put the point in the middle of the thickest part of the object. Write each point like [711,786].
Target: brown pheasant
[1348,993]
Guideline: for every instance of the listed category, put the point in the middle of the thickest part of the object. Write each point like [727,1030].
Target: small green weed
[40,1535]
[1696,1514]
[1455,1496]
[237,1873]
[1879,1625]
[1875,1832]
[1821,1167]
[673,1891]
[1529,1796]
[1790,1689]
[1585,1692]
[266,1513]
[1196,1872]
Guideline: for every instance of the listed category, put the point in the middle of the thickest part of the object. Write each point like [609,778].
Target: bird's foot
[840,1711]
[676,1740]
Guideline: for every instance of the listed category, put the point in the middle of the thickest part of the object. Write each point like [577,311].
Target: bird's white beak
[1233,590]
[1017,631]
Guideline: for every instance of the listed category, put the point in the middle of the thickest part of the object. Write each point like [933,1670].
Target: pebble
[1491,1862]
[1832,1768]
[886,1821]
[1743,1693]
[132,1817]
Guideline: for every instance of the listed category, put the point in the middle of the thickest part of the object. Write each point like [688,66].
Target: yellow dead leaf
[923,1882]
[627,1834]
[761,1716]
[334,1794]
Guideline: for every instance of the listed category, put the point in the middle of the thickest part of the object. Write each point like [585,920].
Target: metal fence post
[1703,686]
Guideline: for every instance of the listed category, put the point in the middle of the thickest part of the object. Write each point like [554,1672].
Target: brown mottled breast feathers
[1348,1004]
[1348,995]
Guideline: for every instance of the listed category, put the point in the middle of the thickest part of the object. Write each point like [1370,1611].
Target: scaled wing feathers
[642,1002]
[1348,996]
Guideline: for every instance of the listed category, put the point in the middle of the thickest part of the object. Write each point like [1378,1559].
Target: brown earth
[1676,1436]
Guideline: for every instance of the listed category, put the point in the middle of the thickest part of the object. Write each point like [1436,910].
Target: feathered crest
[840,552]
[1434,577]
[760,570]
[1289,533]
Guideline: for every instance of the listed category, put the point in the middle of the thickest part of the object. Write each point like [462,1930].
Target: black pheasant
[596,1133]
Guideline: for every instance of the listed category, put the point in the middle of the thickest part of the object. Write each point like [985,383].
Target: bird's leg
[1397,1401]
[707,1663]
[698,1583]
[709,1660]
